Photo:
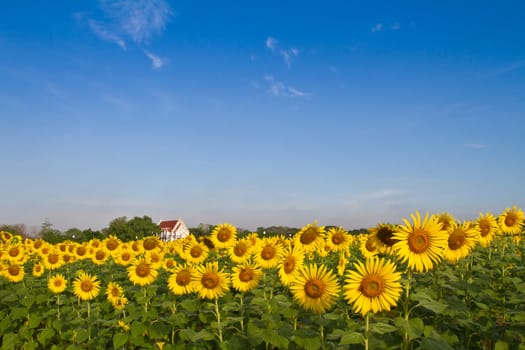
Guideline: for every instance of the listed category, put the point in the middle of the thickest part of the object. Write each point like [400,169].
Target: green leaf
[160,330]
[9,341]
[34,321]
[119,339]
[382,328]
[434,344]
[31,345]
[501,345]
[352,338]
[413,327]
[45,336]
[191,305]
[432,305]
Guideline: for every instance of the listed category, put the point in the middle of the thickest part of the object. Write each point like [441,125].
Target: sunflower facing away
[141,272]
[180,280]
[86,287]
[384,233]
[210,282]
[511,220]
[315,288]
[420,244]
[57,283]
[462,238]
[246,277]
[488,227]
[373,286]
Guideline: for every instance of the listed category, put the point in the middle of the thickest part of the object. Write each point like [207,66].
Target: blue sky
[260,113]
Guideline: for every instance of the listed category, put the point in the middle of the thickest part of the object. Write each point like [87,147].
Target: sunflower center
[289,265]
[196,251]
[112,244]
[484,228]
[100,255]
[183,278]
[314,288]
[14,251]
[38,244]
[268,252]
[53,258]
[115,292]
[246,275]
[511,219]
[240,249]
[149,244]
[210,280]
[170,264]
[418,241]
[86,286]
[13,270]
[224,235]
[456,240]
[57,282]
[142,270]
[337,239]
[309,236]
[372,286]
[126,257]
[386,235]
[370,245]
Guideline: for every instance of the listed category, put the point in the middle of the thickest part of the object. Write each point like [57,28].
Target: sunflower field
[430,282]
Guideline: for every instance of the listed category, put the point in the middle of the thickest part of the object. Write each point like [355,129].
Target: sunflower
[82,251]
[119,303]
[195,252]
[315,288]
[123,326]
[291,265]
[113,292]
[141,272]
[488,226]
[52,260]
[57,283]
[124,256]
[511,220]
[169,264]
[369,245]
[210,282]
[374,286]
[224,235]
[338,239]
[111,244]
[462,238]
[5,236]
[446,220]
[422,243]
[310,238]
[38,269]
[341,264]
[180,280]
[384,233]
[268,254]
[86,287]
[154,258]
[152,243]
[240,252]
[246,277]
[100,256]
[14,272]
[16,253]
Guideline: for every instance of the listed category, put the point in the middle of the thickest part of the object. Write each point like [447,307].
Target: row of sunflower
[429,281]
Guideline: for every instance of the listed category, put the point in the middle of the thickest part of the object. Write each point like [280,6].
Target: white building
[171,230]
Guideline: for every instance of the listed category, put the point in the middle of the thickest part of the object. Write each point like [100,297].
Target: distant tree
[49,234]
[18,229]
[135,228]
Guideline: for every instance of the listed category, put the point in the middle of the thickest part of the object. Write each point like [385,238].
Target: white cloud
[279,89]
[377,27]
[333,69]
[396,26]
[271,43]
[139,19]
[475,145]
[104,34]
[156,61]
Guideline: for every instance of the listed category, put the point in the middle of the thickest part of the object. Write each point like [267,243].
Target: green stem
[241,301]
[321,331]
[89,320]
[218,314]
[366,330]
[406,340]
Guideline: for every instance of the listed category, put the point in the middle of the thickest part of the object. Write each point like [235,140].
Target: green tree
[136,228]
[49,234]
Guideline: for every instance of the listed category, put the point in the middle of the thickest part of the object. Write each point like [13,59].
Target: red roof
[168,225]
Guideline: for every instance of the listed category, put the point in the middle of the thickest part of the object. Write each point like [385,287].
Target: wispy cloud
[139,19]
[396,26]
[509,68]
[475,145]
[135,21]
[103,33]
[286,53]
[333,69]
[278,88]
[116,101]
[378,27]
[156,61]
